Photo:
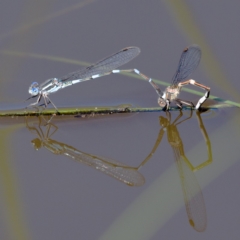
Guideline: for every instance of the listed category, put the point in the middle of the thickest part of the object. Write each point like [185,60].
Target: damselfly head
[162,103]
[34,89]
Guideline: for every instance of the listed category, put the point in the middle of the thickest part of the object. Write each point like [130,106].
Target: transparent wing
[189,61]
[193,197]
[105,65]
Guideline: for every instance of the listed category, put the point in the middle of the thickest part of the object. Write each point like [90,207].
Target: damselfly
[189,61]
[103,67]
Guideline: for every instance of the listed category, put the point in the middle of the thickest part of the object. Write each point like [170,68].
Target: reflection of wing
[112,168]
[105,65]
[193,197]
[188,62]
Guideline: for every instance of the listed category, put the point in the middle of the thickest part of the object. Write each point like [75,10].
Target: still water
[131,176]
[147,175]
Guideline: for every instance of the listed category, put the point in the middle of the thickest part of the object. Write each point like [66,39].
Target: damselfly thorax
[172,92]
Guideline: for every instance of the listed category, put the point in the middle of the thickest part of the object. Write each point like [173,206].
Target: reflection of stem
[112,168]
[193,198]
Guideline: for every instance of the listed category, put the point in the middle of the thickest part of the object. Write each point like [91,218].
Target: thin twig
[87,111]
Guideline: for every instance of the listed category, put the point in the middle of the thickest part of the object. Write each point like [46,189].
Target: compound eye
[33,89]
[161,103]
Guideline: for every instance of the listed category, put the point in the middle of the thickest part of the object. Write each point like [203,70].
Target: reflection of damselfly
[112,168]
[189,60]
[193,197]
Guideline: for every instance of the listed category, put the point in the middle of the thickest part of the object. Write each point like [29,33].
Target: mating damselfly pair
[189,60]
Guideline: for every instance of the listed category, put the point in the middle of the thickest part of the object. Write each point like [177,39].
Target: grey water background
[49,196]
